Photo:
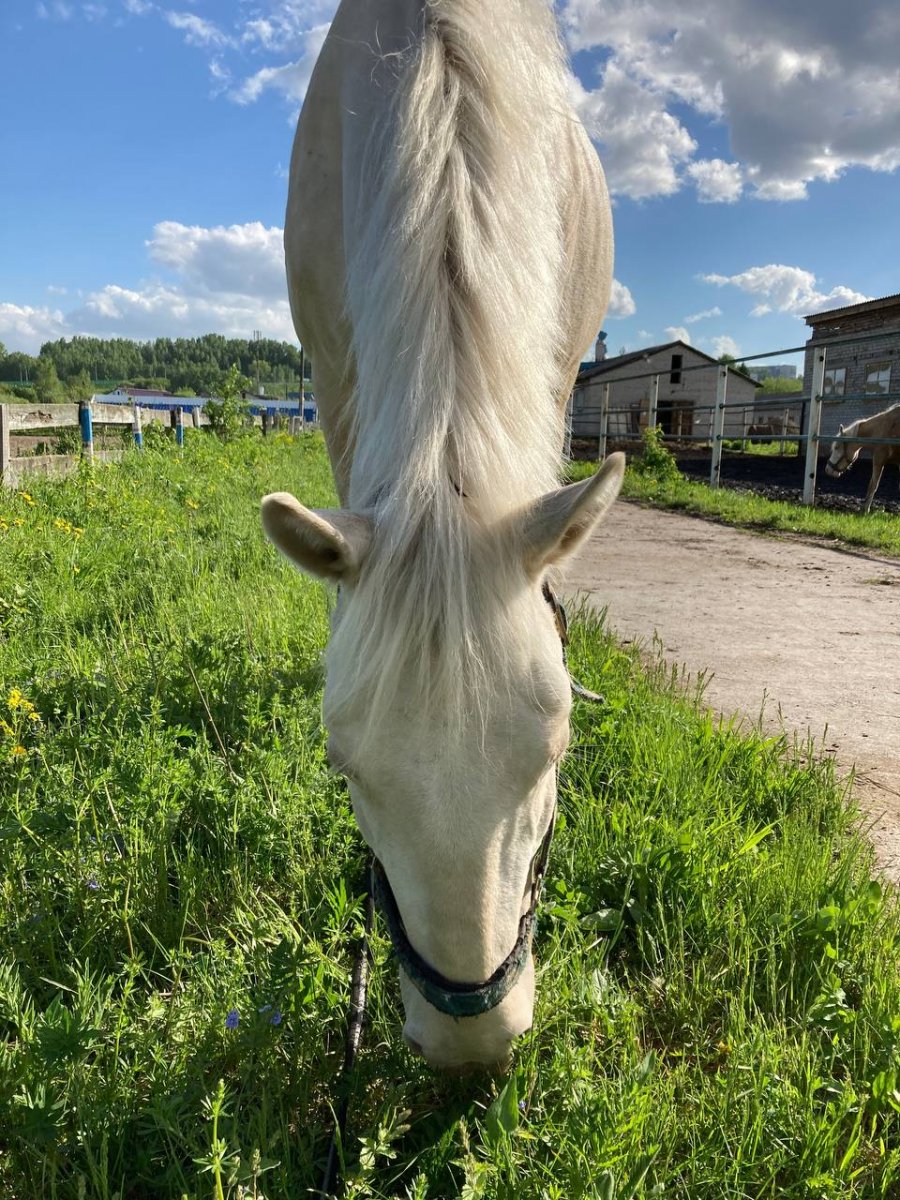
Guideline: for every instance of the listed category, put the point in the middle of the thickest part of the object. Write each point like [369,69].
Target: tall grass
[719,1005]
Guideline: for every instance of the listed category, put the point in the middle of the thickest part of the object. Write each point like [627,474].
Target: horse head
[843,455]
[456,808]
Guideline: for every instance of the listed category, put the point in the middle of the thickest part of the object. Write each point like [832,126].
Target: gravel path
[806,635]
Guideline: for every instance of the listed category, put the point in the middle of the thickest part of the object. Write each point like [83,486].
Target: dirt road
[807,635]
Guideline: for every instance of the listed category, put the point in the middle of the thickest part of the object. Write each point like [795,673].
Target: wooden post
[815,424]
[265,422]
[179,427]
[715,469]
[654,402]
[4,441]
[136,427]
[604,422]
[195,416]
[87,429]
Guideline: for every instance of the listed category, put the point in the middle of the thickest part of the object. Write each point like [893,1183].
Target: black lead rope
[359,985]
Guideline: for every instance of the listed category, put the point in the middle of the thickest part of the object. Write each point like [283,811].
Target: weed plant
[718,998]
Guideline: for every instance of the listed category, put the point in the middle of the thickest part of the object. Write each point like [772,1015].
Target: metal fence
[804,431]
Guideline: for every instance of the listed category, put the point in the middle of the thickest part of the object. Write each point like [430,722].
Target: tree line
[72,368]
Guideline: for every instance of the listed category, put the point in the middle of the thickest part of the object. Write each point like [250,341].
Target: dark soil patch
[782,479]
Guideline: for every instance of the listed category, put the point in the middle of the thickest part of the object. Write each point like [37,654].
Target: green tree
[227,414]
[47,386]
[80,386]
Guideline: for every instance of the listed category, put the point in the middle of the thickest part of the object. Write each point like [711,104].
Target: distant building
[685,400]
[862,360]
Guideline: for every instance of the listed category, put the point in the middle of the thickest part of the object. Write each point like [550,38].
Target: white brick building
[686,396]
[862,377]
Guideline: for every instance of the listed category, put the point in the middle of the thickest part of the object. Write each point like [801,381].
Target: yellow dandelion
[34,715]
[6,729]
[192,504]
[25,496]
[3,527]
[18,521]
[18,752]
[15,698]
[76,568]
[77,531]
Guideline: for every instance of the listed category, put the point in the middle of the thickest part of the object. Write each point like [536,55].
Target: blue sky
[752,153]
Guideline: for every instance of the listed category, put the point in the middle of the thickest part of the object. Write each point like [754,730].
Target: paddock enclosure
[719,439]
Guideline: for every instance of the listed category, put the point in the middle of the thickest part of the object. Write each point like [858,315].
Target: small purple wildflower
[275,1018]
[232,1019]
[93,885]
[521,1106]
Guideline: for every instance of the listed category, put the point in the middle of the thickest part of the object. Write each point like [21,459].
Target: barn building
[862,377]
[685,401]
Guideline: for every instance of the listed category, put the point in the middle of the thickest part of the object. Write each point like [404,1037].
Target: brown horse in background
[844,454]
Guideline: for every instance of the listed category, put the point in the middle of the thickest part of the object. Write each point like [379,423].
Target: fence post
[4,441]
[654,402]
[715,469]
[195,416]
[136,427]
[179,427]
[815,423]
[604,422]
[265,422]
[87,429]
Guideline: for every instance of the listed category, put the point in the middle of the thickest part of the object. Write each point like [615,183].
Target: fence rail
[28,420]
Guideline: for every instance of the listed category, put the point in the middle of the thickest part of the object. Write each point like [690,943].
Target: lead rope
[359,985]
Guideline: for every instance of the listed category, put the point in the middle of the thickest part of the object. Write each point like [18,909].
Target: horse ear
[556,525]
[331,544]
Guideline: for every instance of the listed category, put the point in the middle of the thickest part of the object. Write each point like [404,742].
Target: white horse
[449,252]
[844,454]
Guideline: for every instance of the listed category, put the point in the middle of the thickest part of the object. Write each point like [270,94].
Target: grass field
[719,999]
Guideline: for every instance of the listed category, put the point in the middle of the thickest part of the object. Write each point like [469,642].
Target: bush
[228,414]
[655,460]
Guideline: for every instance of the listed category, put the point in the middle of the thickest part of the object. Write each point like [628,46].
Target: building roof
[135,391]
[623,360]
[850,310]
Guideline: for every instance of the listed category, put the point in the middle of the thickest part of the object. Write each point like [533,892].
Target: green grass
[876,530]
[719,998]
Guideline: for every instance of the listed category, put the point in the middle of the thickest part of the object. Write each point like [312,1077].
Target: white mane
[454,268]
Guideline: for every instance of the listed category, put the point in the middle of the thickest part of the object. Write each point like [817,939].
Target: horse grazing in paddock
[844,454]
[449,251]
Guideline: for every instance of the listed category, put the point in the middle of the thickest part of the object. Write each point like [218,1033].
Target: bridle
[448,996]
[472,999]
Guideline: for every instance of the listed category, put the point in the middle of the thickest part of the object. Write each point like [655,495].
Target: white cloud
[805,90]
[137,8]
[715,311]
[723,344]
[59,10]
[292,79]
[642,144]
[227,279]
[56,289]
[621,302]
[24,327]
[94,12]
[197,31]
[678,333]
[717,181]
[786,289]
